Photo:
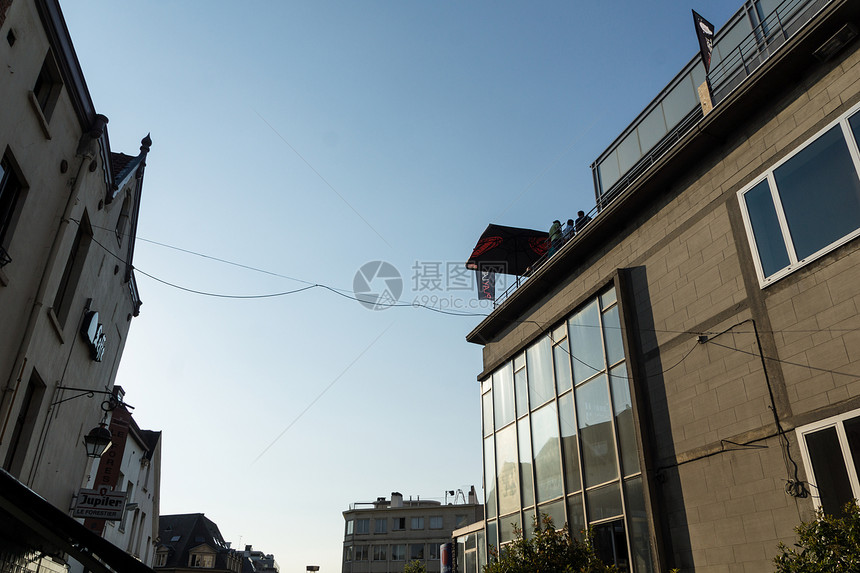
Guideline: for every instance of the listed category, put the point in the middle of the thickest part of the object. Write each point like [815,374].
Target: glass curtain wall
[559,438]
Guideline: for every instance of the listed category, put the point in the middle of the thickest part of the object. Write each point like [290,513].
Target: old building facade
[68,216]
[682,375]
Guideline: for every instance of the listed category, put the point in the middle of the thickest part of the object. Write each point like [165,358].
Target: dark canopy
[508,250]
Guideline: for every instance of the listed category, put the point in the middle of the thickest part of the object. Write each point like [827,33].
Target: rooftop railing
[736,57]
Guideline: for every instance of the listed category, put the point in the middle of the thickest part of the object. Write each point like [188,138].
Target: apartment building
[384,535]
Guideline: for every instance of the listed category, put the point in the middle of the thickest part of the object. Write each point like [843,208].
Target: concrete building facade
[68,215]
[682,375]
[384,535]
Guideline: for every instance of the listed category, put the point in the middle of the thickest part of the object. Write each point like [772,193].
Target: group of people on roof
[558,235]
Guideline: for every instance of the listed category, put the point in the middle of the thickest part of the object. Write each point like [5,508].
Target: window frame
[836,422]
[11,182]
[362,526]
[768,175]
[377,521]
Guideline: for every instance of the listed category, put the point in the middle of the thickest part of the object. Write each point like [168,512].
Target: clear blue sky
[307,139]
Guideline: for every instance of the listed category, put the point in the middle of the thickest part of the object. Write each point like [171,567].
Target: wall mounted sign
[94,334]
[100,503]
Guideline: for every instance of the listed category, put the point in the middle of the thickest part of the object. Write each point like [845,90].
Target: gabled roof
[184,532]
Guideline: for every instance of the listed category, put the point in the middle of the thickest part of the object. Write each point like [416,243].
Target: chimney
[473,496]
[396,499]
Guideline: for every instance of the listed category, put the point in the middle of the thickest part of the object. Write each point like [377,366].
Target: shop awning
[30,522]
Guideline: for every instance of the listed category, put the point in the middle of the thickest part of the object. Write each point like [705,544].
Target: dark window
[25,423]
[416,551]
[48,86]
[72,272]
[10,191]
[832,483]
[122,221]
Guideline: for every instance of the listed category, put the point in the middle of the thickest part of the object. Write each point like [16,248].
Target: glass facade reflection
[561,439]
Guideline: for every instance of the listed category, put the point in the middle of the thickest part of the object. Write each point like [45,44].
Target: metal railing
[754,50]
[519,280]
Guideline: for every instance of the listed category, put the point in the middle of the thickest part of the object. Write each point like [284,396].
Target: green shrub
[415,567]
[829,544]
[547,551]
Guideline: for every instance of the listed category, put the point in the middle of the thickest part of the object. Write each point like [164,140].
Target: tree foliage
[828,544]
[547,551]
[415,567]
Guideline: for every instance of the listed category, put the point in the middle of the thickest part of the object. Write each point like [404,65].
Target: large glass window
[595,425]
[539,366]
[503,396]
[806,205]
[521,385]
[527,482]
[622,406]
[569,442]
[561,361]
[547,460]
[506,470]
[575,454]
[586,346]
[490,477]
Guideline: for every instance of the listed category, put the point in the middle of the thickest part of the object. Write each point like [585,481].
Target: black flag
[486,284]
[705,33]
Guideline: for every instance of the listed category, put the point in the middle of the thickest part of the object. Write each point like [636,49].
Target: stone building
[68,216]
[384,535]
[682,375]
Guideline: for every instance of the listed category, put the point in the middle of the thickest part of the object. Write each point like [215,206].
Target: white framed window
[417,523]
[362,552]
[433,551]
[161,558]
[436,522]
[807,204]
[349,526]
[398,523]
[380,553]
[831,453]
[398,552]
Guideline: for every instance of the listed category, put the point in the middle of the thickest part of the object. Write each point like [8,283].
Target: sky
[295,142]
